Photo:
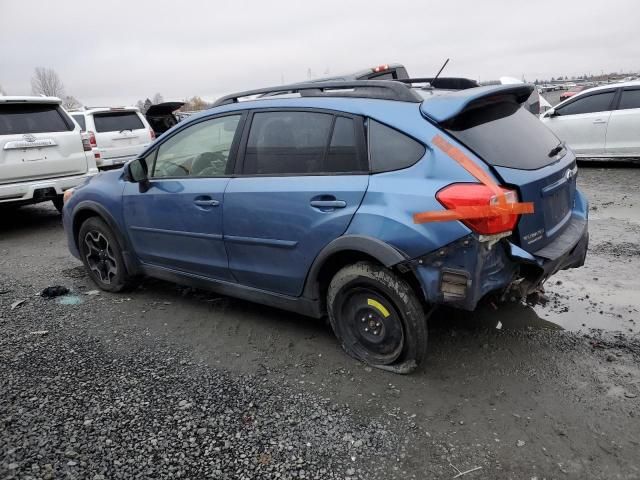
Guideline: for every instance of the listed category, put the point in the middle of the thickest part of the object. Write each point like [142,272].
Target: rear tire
[102,256]
[377,317]
[58,202]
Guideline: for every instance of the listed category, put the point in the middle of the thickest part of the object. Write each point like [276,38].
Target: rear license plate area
[557,205]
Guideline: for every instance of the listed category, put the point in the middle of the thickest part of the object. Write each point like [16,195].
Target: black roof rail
[445,83]
[380,89]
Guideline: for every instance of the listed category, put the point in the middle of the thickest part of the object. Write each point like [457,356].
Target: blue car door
[175,219]
[302,178]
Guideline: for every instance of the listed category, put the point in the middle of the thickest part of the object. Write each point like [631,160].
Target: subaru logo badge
[29,138]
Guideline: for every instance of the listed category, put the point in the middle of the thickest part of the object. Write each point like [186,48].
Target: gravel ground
[75,406]
[170,382]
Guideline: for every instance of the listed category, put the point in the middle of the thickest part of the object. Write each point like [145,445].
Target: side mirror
[136,171]
[551,113]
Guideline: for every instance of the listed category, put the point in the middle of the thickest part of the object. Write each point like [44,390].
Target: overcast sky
[115,52]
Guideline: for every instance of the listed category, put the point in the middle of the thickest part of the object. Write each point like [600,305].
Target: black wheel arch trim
[88,205]
[384,253]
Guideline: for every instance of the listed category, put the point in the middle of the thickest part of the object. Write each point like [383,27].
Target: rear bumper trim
[571,235]
[25,192]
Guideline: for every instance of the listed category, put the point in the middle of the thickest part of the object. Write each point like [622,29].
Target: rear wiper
[556,150]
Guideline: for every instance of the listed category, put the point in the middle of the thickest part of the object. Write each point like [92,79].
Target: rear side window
[117,121]
[600,102]
[391,150]
[287,143]
[343,150]
[630,99]
[80,120]
[505,134]
[18,118]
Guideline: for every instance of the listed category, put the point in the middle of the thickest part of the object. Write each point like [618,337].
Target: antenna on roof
[439,72]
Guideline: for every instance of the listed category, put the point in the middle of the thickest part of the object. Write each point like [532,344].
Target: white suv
[42,151]
[117,134]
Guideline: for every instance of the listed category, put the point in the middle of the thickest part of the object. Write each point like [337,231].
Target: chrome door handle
[207,203]
[328,203]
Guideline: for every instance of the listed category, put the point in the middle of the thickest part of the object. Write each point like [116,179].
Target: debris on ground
[70,300]
[92,292]
[54,291]
[16,304]
[40,333]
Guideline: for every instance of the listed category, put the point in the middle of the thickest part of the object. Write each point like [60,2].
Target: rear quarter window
[18,118]
[117,121]
[390,149]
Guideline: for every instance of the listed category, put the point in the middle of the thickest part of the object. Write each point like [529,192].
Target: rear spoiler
[441,108]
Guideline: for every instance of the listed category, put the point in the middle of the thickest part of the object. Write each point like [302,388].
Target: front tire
[377,317]
[102,256]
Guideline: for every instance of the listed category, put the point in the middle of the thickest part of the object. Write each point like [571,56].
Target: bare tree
[140,105]
[157,98]
[71,103]
[194,104]
[46,81]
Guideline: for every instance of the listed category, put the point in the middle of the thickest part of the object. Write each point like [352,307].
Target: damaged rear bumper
[463,272]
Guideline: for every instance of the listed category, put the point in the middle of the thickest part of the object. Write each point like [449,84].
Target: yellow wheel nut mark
[378,306]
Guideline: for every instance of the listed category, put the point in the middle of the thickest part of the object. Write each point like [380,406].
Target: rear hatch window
[22,118]
[117,121]
[524,154]
[505,135]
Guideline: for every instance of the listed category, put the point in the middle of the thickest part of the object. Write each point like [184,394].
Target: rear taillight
[86,145]
[92,139]
[470,197]
[152,133]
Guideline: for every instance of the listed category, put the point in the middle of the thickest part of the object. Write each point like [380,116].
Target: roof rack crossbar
[379,89]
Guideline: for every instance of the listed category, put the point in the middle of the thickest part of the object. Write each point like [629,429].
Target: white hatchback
[601,122]
[42,151]
[117,135]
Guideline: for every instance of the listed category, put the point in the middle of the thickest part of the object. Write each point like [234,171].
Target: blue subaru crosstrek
[368,202]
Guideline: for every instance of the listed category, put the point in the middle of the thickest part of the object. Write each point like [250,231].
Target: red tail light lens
[478,195]
[86,146]
[152,133]
[92,139]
